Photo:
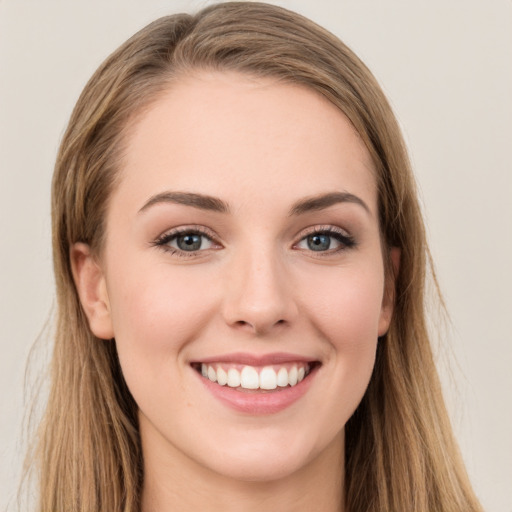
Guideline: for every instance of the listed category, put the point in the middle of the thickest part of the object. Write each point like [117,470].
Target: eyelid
[346,240]
[323,228]
[342,235]
[192,228]
[163,239]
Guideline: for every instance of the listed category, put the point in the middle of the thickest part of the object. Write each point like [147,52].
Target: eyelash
[164,240]
[345,240]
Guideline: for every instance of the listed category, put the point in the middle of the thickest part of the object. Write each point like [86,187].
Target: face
[242,275]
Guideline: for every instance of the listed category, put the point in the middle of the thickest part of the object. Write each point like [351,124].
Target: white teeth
[292,376]
[282,377]
[233,378]
[222,377]
[268,378]
[249,378]
[212,374]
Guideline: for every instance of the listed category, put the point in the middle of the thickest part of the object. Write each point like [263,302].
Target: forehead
[237,137]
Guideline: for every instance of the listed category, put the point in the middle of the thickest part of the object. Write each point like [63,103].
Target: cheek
[346,305]
[155,314]
[156,302]
[345,311]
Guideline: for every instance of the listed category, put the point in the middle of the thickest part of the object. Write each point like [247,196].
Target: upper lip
[256,359]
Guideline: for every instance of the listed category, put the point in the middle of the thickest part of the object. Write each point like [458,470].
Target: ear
[92,290]
[388,300]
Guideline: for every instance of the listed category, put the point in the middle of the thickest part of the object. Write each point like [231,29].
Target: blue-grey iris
[319,242]
[189,242]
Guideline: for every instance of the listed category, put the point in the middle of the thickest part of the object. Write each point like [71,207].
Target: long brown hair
[400,451]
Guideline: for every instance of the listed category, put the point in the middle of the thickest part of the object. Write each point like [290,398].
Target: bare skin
[244,228]
[299,491]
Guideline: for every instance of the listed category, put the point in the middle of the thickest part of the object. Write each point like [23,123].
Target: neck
[177,483]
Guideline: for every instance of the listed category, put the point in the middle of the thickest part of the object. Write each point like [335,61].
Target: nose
[258,295]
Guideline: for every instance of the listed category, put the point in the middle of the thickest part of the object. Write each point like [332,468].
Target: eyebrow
[200,201]
[210,203]
[324,201]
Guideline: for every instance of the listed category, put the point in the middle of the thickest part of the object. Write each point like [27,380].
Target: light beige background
[447,69]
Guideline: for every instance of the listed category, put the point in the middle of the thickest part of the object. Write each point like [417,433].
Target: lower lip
[254,402]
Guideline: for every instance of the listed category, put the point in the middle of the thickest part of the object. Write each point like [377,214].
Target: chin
[271,456]
[261,467]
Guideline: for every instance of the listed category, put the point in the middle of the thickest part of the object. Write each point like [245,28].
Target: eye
[190,242]
[318,242]
[183,241]
[326,240]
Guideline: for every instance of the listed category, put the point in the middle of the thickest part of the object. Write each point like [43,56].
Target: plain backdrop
[447,69]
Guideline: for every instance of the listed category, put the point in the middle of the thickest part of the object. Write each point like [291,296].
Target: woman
[240,263]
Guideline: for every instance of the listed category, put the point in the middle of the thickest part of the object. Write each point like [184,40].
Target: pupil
[189,242]
[319,242]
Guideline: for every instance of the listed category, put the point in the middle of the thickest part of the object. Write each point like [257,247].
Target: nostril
[259,327]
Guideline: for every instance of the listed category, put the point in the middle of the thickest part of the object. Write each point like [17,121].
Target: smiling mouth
[248,379]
